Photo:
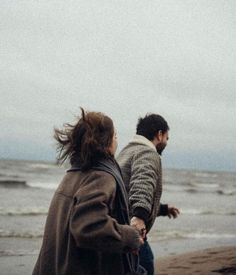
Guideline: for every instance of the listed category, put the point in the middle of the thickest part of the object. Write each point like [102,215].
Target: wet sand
[209,261]
[220,260]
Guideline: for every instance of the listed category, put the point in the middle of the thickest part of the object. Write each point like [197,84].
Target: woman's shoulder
[101,175]
[74,181]
[98,179]
[96,182]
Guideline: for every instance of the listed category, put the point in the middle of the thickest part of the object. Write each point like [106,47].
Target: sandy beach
[209,261]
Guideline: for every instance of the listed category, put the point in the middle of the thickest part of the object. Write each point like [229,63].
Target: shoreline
[218,260]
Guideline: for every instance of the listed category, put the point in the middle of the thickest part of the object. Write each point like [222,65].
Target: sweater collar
[142,140]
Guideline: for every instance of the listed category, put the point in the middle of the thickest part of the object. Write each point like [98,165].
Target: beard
[160,147]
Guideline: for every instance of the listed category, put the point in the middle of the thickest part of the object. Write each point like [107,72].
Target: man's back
[141,169]
[140,164]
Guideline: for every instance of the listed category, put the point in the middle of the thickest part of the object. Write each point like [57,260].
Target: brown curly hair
[85,142]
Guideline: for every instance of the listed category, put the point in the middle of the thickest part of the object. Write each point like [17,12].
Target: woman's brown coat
[82,235]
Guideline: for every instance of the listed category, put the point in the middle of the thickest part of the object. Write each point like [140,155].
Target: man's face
[162,138]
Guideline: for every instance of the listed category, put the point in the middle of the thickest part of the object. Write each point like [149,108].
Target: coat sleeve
[145,171]
[91,224]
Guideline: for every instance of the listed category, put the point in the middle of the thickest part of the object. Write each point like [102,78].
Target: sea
[206,200]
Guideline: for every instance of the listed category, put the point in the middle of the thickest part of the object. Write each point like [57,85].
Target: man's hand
[173,212]
[139,225]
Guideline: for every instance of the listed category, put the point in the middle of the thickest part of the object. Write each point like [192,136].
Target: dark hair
[85,142]
[150,125]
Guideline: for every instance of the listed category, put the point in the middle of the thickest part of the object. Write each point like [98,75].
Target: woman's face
[113,147]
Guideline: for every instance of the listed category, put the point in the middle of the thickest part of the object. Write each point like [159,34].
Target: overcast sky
[124,58]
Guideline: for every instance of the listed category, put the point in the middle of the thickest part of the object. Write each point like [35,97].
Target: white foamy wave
[44,185]
[206,175]
[31,211]
[191,212]
[23,234]
[42,165]
[20,252]
[204,185]
[206,188]
[208,212]
[168,235]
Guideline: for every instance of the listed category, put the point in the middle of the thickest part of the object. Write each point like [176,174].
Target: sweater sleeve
[143,183]
[163,210]
[91,224]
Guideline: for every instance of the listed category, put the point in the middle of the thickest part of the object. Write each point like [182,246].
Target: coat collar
[142,140]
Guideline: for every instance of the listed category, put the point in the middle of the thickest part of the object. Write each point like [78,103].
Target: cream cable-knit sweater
[141,169]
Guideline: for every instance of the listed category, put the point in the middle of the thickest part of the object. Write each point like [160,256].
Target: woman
[87,229]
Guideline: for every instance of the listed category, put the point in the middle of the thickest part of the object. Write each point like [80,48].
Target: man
[140,164]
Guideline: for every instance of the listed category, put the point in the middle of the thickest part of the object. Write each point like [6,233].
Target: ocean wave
[205,174]
[192,190]
[208,212]
[42,166]
[7,175]
[23,234]
[43,185]
[9,183]
[21,252]
[205,185]
[31,211]
[168,235]
[226,193]
[198,189]
[210,235]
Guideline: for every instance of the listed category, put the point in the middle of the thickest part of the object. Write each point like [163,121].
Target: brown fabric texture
[82,235]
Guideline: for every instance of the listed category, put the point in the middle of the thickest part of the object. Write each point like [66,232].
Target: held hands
[173,212]
[136,251]
[139,225]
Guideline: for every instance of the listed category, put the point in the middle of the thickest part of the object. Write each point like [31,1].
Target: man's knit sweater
[142,173]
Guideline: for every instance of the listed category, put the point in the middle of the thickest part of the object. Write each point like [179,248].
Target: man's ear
[159,135]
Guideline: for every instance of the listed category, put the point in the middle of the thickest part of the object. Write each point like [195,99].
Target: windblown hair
[85,142]
[150,125]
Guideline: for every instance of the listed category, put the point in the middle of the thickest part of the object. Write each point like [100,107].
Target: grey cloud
[176,58]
